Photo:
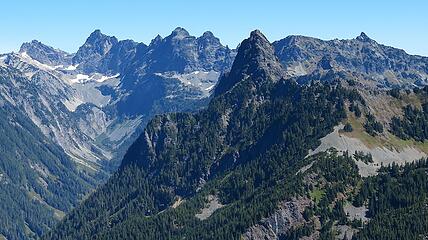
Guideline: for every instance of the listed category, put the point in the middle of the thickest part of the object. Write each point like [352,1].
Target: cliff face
[287,216]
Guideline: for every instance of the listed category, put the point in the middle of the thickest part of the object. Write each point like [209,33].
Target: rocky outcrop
[289,215]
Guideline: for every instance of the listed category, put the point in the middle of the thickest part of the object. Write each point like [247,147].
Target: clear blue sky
[66,24]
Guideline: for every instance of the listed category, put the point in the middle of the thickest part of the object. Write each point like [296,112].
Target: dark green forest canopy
[29,198]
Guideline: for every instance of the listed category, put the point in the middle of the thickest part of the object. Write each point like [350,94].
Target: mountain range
[251,113]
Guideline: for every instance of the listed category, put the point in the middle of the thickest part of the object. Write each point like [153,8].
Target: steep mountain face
[91,53]
[121,56]
[237,154]
[38,182]
[93,105]
[180,52]
[104,54]
[385,66]
[62,111]
[256,60]
[91,110]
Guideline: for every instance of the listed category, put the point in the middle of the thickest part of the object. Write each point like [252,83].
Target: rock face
[91,53]
[288,216]
[183,53]
[387,66]
[256,60]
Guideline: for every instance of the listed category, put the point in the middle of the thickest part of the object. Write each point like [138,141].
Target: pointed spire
[255,59]
[363,37]
[97,35]
[156,40]
[97,44]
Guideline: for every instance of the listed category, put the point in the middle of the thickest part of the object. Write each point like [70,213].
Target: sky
[67,24]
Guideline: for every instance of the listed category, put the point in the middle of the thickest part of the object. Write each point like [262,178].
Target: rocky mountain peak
[45,54]
[96,46]
[96,34]
[184,53]
[257,34]
[257,55]
[256,60]
[208,34]
[384,66]
[363,37]
[158,39]
[33,43]
[208,39]
[180,32]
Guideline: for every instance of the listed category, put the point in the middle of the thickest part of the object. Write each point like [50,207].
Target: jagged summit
[97,32]
[384,66]
[208,34]
[33,43]
[180,32]
[45,54]
[96,46]
[257,34]
[184,53]
[208,39]
[363,37]
[156,40]
[97,37]
[255,59]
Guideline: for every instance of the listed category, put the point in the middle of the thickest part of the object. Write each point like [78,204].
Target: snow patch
[71,67]
[58,67]
[80,78]
[105,78]
[200,80]
[209,88]
[2,59]
[83,78]
[26,58]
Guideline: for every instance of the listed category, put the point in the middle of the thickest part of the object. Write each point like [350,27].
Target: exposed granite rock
[286,217]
